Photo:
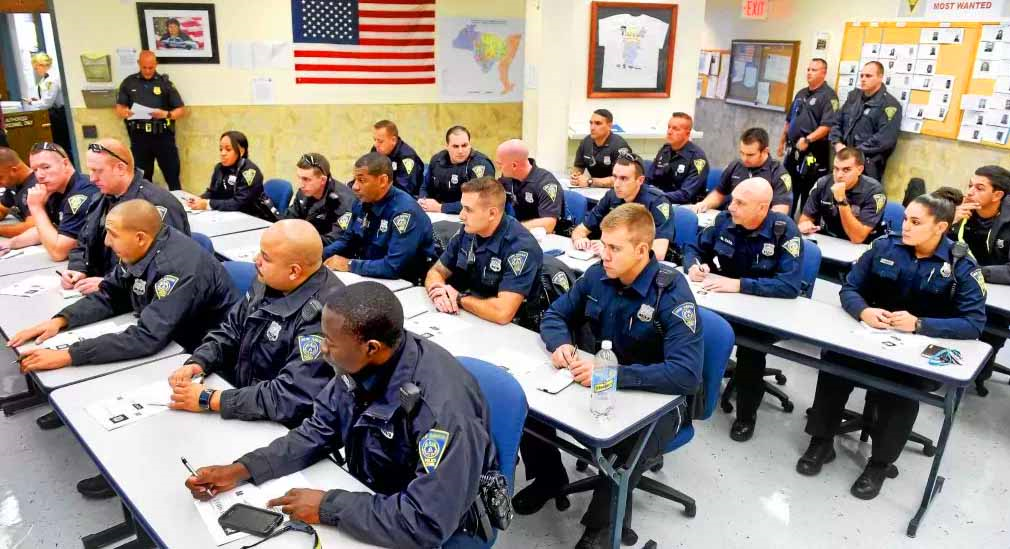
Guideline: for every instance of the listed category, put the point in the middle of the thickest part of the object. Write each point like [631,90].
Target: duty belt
[152,127]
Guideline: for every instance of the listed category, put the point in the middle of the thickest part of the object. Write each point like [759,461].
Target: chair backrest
[719,340]
[686,223]
[646,166]
[507,405]
[279,191]
[714,175]
[575,207]
[811,265]
[203,241]
[242,274]
[894,216]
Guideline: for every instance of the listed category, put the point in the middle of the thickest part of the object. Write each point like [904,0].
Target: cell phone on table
[932,350]
[251,520]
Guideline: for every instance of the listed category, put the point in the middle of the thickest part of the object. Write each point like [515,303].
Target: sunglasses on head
[47,146]
[99,148]
[630,156]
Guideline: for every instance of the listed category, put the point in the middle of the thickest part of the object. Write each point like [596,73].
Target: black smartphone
[932,350]
[554,253]
[251,520]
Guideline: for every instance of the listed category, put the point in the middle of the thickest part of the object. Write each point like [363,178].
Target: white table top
[238,246]
[558,242]
[837,250]
[18,313]
[998,297]
[592,193]
[567,410]
[394,285]
[129,455]
[215,223]
[439,216]
[32,258]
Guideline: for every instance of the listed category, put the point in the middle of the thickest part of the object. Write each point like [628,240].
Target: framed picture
[631,49]
[179,32]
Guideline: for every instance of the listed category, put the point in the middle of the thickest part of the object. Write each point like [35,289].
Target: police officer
[629,187]
[680,168]
[804,146]
[263,345]
[846,204]
[869,120]
[492,267]
[648,313]
[175,287]
[913,282]
[750,250]
[449,169]
[57,204]
[982,222]
[594,159]
[15,179]
[536,196]
[152,139]
[408,169]
[411,421]
[755,161]
[321,200]
[110,166]
[389,235]
[236,184]
[49,96]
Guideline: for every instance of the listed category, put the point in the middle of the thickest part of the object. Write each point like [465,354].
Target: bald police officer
[537,198]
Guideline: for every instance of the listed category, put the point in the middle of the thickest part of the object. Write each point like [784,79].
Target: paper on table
[414,303]
[131,407]
[141,112]
[249,494]
[32,285]
[65,339]
[21,252]
[435,325]
[519,364]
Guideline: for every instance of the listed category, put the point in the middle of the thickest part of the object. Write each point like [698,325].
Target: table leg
[13,404]
[934,483]
[119,532]
[621,477]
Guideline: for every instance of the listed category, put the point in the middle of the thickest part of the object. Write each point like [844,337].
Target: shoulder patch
[164,287]
[552,191]
[699,164]
[977,275]
[408,165]
[787,180]
[162,211]
[431,447]
[344,220]
[478,170]
[310,347]
[890,112]
[793,246]
[686,312]
[834,104]
[248,175]
[401,222]
[560,279]
[664,209]
[880,199]
[76,202]
[518,261]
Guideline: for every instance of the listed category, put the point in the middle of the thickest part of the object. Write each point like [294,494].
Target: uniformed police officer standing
[913,282]
[755,161]
[236,184]
[15,179]
[869,120]
[648,313]
[57,204]
[177,289]
[408,169]
[110,166]
[411,421]
[846,204]
[152,139]
[594,159]
[629,187]
[267,347]
[680,168]
[750,250]
[982,222]
[321,200]
[49,96]
[492,267]
[389,235]
[536,195]
[449,169]
[804,146]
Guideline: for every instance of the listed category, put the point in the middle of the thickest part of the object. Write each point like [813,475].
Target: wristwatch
[918,325]
[459,299]
[844,202]
[205,397]
[589,181]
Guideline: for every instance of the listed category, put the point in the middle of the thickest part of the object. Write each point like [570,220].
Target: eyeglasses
[310,159]
[99,148]
[630,156]
[47,146]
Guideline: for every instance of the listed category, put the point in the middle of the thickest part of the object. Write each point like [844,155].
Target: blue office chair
[203,241]
[714,175]
[686,223]
[242,274]
[811,266]
[575,207]
[279,191]
[894,216]
[646,167]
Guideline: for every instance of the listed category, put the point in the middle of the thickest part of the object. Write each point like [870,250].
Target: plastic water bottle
[604,387]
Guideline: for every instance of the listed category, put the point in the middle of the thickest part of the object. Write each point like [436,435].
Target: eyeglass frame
[98,148]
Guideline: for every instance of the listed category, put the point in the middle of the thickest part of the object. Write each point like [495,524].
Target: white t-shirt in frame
[631,50]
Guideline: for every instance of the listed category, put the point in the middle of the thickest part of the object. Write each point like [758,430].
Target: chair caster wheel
[929,450]
[787,407]
[727,407]
[690,511]
[562,503]
[780,379]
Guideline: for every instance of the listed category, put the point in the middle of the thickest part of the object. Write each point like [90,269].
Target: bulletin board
[713,73]
[762,73]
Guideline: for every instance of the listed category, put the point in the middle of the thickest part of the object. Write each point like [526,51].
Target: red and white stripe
[396,46]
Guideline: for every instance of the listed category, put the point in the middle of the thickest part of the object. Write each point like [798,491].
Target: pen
[188,468]
[60,274]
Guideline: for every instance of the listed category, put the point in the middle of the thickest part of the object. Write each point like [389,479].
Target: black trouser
[804,175]
[543,461]
[893,415]
[749,374]
[148,147]
[994,340]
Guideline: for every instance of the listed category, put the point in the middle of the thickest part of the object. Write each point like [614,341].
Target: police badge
[681,168]
[768,249]
[140,286]
[606,160]
[552,191]
[383,225]
[945,270]
[495,264]
[408,165]
[76,201]
[454,180]
[517,261]
[686,312]
[273,331]
[309,347]
[645,313]
[249,175]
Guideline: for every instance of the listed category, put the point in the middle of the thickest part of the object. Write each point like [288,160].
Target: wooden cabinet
[24,129]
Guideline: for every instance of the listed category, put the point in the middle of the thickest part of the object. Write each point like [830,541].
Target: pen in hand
[192,472]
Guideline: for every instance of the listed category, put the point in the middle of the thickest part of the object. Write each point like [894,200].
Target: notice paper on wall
[263,91]
[113,413]
[249,494]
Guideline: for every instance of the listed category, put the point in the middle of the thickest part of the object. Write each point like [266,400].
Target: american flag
[364,42]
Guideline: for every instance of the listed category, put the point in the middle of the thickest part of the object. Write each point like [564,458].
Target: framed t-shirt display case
[631,49]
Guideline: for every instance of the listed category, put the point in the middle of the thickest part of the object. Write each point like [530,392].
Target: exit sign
[754,9]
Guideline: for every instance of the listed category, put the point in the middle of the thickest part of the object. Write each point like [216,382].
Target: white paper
[922,82]
[435,325]
[847,82]
[131,407]
[32,285]
[249,494]
[911,125]
[916,112]
[989,33]
[991,69]
[952,36]
[240,55]
[721,87]
[141,112]
[925,66]
[764,89]
[888,51]
[904,66]
[126,61]
[970,133]
[973,118]
[262,91]
[997,118]
[67,338]
[993,50]
[973,102]
[23,252]
[1000,101]
[994,134]
[247,253]
[414,303]
[739,67]
[929,36]
[939,97]
[936,112]
[518,364]
[908,51]
[871,51]
[903,94]
[1002,85]
[928,52]
[750,75]
[777,68]
[847,67]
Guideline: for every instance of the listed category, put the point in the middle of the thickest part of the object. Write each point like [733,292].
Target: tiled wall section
[278,135]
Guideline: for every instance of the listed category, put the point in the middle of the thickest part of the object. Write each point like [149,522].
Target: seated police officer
[981,222]
[681,168]
[750,250]
[648,312]
[15,179]
[388,235]
[411,420]
[266,347]
[178,290]
[594,159]
[110,166]
[629,187]
[57,204]
[846,204]
[755,161]
[536,195]
[449,169]
[913,282]
[321,200]
[408,169]
[492,267]
[236,184]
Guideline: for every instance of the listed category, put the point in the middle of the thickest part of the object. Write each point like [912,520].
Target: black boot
[95,488]
[49,421]
[594,538]
[820,451]
[532,498]
[742,430]
[868,485]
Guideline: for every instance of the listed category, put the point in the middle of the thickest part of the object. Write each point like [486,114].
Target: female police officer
[920,282]
[237,183]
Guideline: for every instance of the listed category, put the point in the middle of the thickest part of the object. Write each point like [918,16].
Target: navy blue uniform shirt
[682,175]
[866,200]
[239,188]
[539,195]
[772,171]
[408,169]
[330,215]
[445,179]
[648,196]
[509,260]
[870,125]
[599,159]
